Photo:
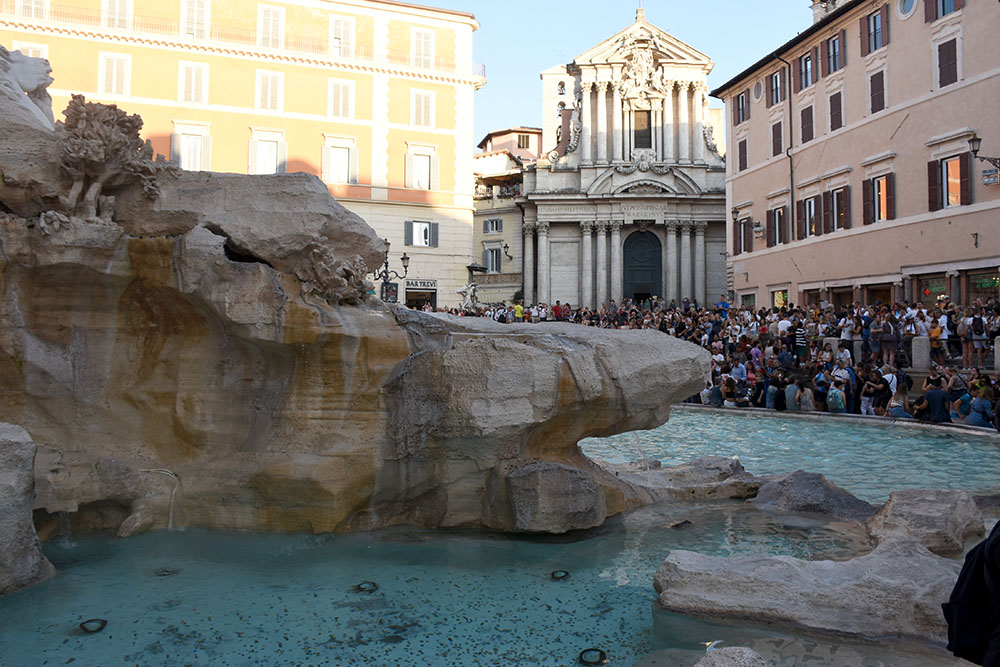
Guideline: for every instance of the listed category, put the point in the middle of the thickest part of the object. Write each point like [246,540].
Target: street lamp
[506,249]
[390,290]
[974,143]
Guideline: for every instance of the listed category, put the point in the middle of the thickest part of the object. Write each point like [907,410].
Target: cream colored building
[850,174]
[628,198]
[373,96]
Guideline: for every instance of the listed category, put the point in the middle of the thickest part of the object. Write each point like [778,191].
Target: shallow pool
[869,460]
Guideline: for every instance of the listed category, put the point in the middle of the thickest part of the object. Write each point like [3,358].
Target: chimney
[821,8]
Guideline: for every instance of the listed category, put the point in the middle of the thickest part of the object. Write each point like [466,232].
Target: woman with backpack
[889,340]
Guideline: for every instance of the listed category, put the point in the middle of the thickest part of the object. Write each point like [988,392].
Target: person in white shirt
[846,327]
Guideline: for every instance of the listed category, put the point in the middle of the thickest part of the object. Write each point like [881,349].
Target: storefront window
[984,285]
[748,300]
[932,287]
[779,298]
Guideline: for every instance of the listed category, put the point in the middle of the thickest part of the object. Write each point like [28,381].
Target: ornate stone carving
[646,189]
[586,226]
[542,227]
[25,81]
[709,135]
[643,161]
[601,227]
[101,148]
[528,228]
[672,226]
[699,226]
[615,226]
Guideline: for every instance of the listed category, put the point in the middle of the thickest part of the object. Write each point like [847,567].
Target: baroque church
[628,200]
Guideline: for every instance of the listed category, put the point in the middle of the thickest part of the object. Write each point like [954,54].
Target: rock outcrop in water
[219,326]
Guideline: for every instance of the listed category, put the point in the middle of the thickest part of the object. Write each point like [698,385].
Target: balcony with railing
[48,14]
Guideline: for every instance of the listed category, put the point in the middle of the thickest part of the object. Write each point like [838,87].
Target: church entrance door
[643,277]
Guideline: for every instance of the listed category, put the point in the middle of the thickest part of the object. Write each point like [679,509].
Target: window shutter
[737,237]
[843,49]
[326,163]
[948,63]
[206,154]
[807,124]
[743,155]
[408,232]
[408,171]
[175,149]
[816,65]
[282,157]
[747,93]
[885,26]
[825,62]
[797,83]
[867,201]
[783,84]
[930,10]
[500,225]
[934,185]
[770,91]
[252,161]
[736,110]
[846,203]
[770,229]
[959,4]
[800,219]
[878,91]
[865,44]
[828,212]
[486,259]
[836,112]
[776,140]
[434,235]
[965,170]
[486,226]
[785,222]
[435,173]
[890,196]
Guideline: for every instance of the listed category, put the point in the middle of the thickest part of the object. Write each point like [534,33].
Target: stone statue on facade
[25,81]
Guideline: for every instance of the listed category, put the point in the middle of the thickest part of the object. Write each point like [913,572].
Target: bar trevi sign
[416,283]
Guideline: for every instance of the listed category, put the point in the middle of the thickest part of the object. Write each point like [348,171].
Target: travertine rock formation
[734,656]
[219,326]
[811,492]
[21,561]
[941,520]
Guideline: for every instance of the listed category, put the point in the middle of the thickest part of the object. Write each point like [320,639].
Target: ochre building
[373,96]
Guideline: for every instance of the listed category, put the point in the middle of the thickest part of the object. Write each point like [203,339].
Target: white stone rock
[733,656]
[941,520]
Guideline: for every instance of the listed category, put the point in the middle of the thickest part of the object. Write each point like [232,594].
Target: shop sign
[991,176]
[390,292]
[416,283]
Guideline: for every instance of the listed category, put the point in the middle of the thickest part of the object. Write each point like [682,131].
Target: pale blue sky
[520,38]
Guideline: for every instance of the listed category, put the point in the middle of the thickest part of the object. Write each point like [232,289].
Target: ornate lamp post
[390,290]
[974,143]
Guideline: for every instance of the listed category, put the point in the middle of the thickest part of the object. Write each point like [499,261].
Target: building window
[421,168]
[493,226]
[114,74]
[742,236]
[777,140]
[341,37]
[947,63]
[493,260]
[31,50]
[559,110]
[340,100]
[268,152]
[834,53]
[875,30]
[32,9]
[561,88]
[743,155]
[741,107]
[810,217]
[422,48]
[839,207]
[876,89]
[949,182]
[270,90]
[420,234]
[117,14]
[836,112]
[879,199]
[777,226]
[943,7]
[776,88]
[193,83]
[271,27]
[340,160]
[643,129]
[194,18]
[421,108]
[524,141]
[806,73]
[191,147]
[807,125]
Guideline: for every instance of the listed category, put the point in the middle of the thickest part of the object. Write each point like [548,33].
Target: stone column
[628,138]
[670,262]
[602,262]
[669,152]
[587,265]
[617,274]
[908,288]
[617,129]
[699,263]
[602,121]
[954,286]
[920,353]
[528,261]
[587,123]
[699,123]
[683,123]
[686,273]
[656,116]
[543,261]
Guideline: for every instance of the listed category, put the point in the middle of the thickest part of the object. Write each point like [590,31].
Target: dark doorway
[643,266]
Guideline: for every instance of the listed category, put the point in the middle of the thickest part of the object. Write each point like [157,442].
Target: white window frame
[189,128]
[873,18]
[345,85]
[35,6]
[943,175]
[426,61]
[268,134]
[186,18]
[202,95]
[260,27]
[776,92]
[258,89]
[490,251]
[878,214]
[807,74]
[742,106]
[102,87]
[337,47]
[414,94]
[491,226]
[339,142]
[107,21]
[418,150]
[30,49]
[809,209]
[835,196]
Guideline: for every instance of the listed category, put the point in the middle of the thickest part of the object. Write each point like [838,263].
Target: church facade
[629,199]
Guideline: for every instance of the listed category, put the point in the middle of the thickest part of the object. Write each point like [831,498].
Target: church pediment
[650,44]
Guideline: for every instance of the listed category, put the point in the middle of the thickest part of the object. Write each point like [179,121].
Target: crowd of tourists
[782,358]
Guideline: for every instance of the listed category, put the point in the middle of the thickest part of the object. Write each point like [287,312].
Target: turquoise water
[868,460]
[442,599]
